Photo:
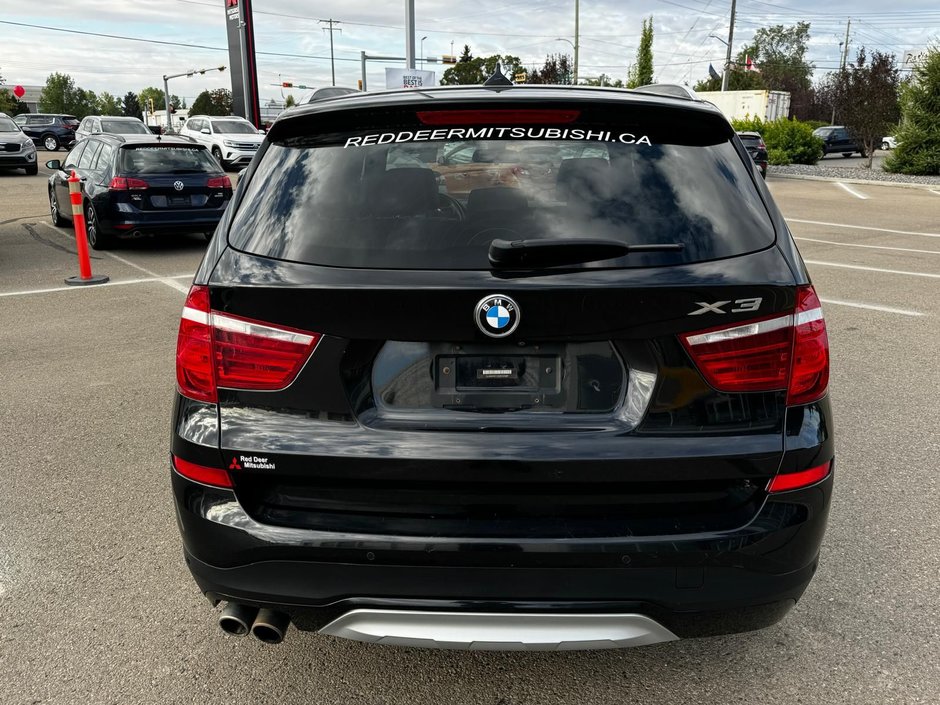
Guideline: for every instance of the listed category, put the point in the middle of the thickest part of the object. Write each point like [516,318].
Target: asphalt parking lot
[96,605]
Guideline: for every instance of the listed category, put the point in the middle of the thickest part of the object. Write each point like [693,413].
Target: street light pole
[727,72]
[577,37]
[410,34]
[422,51]
[166,89]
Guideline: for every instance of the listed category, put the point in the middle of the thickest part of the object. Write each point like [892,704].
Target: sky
[293,46]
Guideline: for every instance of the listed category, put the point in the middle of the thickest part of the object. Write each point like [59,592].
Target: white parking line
[871,269]
[165,280]
[852,191]
[122,282]
[868,247]
[936,193]
[861,227]
[872,307]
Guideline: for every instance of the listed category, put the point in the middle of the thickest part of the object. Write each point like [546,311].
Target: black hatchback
[502,368]
[134,185]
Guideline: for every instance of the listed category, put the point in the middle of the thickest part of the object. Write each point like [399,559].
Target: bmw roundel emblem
[178,185]
[497,315]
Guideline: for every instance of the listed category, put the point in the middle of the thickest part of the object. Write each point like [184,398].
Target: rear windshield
[124,127]
[436,198]
[234,127]
[166,160]
[70,121]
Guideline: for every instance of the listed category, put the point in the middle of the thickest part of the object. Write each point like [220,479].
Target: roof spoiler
[669,90]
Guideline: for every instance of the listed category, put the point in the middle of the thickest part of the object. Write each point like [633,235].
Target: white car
[232,140]
[112,124]
[889,142]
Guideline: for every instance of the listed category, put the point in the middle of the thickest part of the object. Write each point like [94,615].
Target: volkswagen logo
[497,315]
[178,185]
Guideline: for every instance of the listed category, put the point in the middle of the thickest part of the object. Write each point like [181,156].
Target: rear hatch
[424,326]
[170,177]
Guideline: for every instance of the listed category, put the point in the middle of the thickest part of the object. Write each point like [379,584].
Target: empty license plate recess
[484,378]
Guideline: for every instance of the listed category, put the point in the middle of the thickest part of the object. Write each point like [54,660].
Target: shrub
[748,124]
[777,157]
[796,139]
[918,149]
[788,141]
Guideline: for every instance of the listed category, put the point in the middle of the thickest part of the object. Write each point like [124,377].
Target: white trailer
[158,118]
[738,105]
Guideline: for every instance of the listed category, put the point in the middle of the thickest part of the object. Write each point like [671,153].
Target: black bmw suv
[502,368]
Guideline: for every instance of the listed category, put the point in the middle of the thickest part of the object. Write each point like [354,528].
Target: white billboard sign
[408,78]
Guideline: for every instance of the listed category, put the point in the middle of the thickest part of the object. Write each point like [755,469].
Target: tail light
[761,145]
[788,352]
[219,182]
[124,183]
[795,480]
[202,473]
[220,350]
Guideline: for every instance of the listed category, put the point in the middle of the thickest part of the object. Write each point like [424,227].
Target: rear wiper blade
[552,252]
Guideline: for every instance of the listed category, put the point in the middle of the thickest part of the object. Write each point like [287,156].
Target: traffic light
[360,84]
[448,59]
[287,84]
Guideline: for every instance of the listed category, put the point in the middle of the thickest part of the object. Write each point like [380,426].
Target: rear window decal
[489,133]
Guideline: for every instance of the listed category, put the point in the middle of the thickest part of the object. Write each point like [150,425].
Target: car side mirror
[53,164]
[205,131]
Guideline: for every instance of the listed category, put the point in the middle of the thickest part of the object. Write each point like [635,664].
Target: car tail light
[497,117]
[124,183]
[761,145]
[219,350]
[795,480]
[202,473]
[788,352]
[219,182]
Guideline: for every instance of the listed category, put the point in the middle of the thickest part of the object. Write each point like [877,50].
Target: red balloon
[19,91]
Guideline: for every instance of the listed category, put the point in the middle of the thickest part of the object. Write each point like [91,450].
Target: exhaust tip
[237,619]
[270,626]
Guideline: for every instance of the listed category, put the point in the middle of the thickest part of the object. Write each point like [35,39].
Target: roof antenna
[497,79]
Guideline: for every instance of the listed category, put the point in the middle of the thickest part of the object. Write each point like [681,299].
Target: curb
[870,182]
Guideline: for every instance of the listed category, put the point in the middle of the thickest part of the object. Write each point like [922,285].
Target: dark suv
[837,139]
[567,391]
[49,131]
[755,146]
[135,185]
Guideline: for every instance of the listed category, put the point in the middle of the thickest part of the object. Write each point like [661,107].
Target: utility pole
[845,58]
[845,48]
[577,37]
[410,34]
[330,29]
[727,72]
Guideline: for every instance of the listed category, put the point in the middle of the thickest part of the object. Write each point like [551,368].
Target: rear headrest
[583,178]
[408,191]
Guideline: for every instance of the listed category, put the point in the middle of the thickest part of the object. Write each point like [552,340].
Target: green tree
[467,71]
[85,103]
[641,73]
[108,104]
[866,98]
[558,69]
[289,101]
[918,150]
[779,54]
[215,102]
[130,105]
[156,94]
[60,94]
[7,102]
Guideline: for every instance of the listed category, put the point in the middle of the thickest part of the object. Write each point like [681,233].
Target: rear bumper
[123,221]
[694,585]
